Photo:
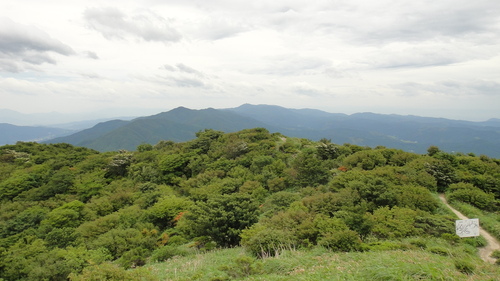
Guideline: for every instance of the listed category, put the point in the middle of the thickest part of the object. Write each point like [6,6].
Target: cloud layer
[145,25]
[22,46]
[438,58]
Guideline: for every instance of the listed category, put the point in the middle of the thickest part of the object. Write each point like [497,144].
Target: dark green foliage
[327,150]
[222,218]
[117,167]
[468,193]
[29,218]
[365,159]
[310,170]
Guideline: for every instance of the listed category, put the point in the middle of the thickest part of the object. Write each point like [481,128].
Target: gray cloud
[432,20]
[295,65]
[306,89]
[217,28]
[92,55]
[189,82]
[416,56]
[145,25]
[451,88]
[180,67]
[22,47]
[185,76]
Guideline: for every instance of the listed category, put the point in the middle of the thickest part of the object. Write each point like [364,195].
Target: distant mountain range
[410,133]
[10,134]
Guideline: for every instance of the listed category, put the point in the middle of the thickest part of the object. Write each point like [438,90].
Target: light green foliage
[465,266]
[172,166]
[394,222]
[121,241]
[68,215]
[205,139]
[415,197]
[111,272]
[144,147]
[279,201]
[263,241]
[19,181]
[164,212]
[243,266]
[341,241]
[169,251]
[365,159]
[403,263]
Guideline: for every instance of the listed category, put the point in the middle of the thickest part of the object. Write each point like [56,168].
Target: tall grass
[425,259]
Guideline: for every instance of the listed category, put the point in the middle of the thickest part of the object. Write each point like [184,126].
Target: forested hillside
[72,212]
[409,133]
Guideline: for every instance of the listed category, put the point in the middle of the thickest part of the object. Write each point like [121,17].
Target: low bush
[112,272]
[464,266]
[439,250]
[166,252]
[341,241]
[243,266]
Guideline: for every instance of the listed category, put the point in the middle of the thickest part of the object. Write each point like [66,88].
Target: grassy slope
[319,264]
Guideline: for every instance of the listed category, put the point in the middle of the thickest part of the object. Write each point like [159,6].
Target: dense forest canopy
[66,210]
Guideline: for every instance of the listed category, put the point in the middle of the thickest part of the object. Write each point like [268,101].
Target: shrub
[468,193]
[111,272]
[464,266]
[166,252]
[477,242]
[341,241]
[439,250]
[263,241]
[222,218]
[243,266]
[495,254]
[385,246]
[419,242]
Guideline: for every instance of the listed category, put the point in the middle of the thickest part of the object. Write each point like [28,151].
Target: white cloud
[23,47]
[145,24]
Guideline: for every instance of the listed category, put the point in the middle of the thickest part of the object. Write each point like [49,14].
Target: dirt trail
[493,243]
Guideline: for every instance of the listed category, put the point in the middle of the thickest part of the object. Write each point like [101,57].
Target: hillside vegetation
[249,205]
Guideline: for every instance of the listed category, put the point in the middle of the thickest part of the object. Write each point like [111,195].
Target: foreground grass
[417,260]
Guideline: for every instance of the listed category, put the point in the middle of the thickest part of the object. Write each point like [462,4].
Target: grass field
[417,259]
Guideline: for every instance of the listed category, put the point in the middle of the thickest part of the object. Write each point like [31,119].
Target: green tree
[221,218]
[310,170]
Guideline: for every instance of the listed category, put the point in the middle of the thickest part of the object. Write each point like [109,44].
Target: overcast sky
[437,58]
